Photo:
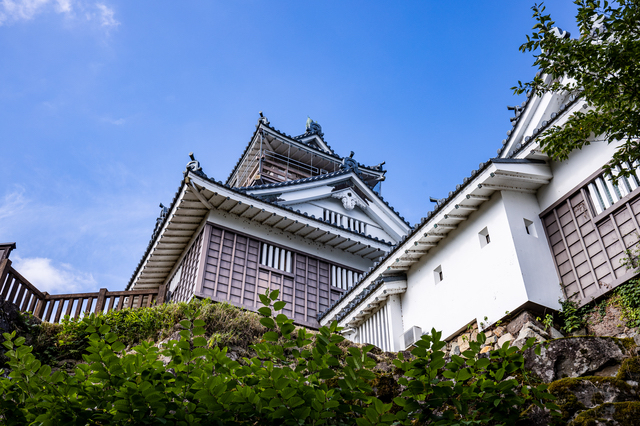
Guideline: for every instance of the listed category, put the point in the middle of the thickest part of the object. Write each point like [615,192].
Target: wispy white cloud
[24,10]
[116,122]
[12,203]
[106,16]
[54,279]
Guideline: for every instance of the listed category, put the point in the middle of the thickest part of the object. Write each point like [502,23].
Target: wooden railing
[50,307]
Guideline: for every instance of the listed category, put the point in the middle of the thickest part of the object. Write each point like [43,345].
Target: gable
[533,116]
[343,201]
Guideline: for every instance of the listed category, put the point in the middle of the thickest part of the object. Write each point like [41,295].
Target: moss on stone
[630,369]
[622,413]
[564,391]
[627,343]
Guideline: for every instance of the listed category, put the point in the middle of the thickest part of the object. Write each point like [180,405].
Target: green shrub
[294,378]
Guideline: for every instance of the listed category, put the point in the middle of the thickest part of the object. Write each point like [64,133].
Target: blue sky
[101,102]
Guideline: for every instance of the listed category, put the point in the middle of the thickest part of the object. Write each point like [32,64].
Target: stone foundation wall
[515,330]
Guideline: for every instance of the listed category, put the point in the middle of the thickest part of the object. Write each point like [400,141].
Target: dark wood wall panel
[185,288]
[232,272]
[588,248]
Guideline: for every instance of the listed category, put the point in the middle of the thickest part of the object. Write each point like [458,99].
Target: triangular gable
[532,117]
[341,198]
[315,141]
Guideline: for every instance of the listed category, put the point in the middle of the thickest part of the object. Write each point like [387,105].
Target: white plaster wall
[300,244]
[478,281]
[533,252]
[567,174]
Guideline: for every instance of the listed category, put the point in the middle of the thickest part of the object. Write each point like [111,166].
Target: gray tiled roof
[331,154]
[242,191]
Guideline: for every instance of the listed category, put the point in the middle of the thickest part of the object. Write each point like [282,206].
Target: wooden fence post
[39,311]
[100,302]
[162,291]
[5,266]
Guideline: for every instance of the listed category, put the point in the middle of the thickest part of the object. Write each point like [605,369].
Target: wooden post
[162,292]
[5,266]
[38,313]
[101,300]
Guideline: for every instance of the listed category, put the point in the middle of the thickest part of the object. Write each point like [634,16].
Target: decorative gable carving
[349,199]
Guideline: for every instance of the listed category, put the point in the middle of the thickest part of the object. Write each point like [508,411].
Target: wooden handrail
[50,307]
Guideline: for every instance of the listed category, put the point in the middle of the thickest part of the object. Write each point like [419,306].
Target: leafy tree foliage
[602,66]
[294,378]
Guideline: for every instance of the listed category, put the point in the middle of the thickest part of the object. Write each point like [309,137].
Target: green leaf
[271,336]
[400,402]
[268,322]
[274,295]
[326,373]
[265,311]
[264,299]
[186,324]
[463,375]
[117,346]
[279,305]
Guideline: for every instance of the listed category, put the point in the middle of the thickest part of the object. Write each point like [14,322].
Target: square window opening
[437,274]
[530,227]
[484,237]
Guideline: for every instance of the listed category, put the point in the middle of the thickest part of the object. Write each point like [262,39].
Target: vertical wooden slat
[584,246]
[14,288]
[120,302]
[215,283]
[25,301]
[244,269]
[56,319]
[5,265]
[79,307]
[102,294]
[111,300]
[231,265]
[295,287]
[633,217]
[617,229]
[47,316]
[33,302]
[306,289]
[596,229]
[569,256]
[162,291]
[39,311]
[69,307]
[7,286]
[204,252]
[20,294]
[87,311]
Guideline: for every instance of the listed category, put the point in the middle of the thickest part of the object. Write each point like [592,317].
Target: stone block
[535,328]
[499,331]
[485,349]
[455,349]
[505,338]
[575,357]
[555,334]
[516,324]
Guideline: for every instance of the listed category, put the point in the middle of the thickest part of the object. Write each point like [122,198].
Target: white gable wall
[316,208]
[478,281]
[570,173]
[534,255]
